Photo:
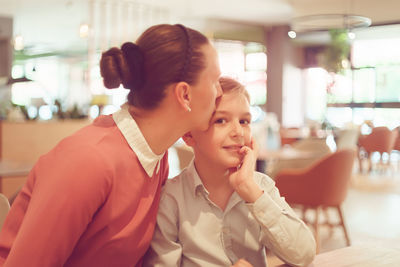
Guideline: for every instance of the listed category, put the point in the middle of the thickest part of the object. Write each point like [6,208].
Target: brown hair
[229,85]
[163,54]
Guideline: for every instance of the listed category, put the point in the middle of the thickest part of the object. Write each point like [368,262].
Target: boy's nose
[237,129]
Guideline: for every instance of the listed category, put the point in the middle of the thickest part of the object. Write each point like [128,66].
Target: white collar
[130,130]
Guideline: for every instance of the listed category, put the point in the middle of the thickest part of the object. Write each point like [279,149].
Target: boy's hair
[230,85]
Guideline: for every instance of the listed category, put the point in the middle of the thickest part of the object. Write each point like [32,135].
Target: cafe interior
[324,83]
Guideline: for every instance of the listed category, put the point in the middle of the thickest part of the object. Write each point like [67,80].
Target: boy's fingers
[242,263]
[254,146]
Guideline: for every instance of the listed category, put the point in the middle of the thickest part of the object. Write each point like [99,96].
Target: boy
[219,210]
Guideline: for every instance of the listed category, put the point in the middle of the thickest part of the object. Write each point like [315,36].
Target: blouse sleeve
[281,229]
[165,250]
[62,194]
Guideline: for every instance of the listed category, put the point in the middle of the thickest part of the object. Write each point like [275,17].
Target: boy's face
[229,130]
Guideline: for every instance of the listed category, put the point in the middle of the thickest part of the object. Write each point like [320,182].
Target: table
[286,153]
[358,256]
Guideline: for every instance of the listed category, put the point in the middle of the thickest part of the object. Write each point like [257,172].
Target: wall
[6,30]
[285,96]
[27,141]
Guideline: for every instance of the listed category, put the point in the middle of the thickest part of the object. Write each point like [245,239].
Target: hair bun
[123,66]
[135,63]
[112,66]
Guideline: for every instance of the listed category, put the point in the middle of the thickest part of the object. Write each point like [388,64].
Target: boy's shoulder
[177,183]
[263,180]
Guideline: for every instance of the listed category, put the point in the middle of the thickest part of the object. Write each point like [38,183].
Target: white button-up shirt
[192,231]
[130,130]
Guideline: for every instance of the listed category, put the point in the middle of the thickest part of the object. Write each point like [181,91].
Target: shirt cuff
[264,206]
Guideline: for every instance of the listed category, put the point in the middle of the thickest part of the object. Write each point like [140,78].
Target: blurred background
[321,74]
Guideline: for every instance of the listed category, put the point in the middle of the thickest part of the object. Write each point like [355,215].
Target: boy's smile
[228,132]
[233,148]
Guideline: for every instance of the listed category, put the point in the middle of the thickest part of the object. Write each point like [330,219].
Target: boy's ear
[188,138]
[183,94]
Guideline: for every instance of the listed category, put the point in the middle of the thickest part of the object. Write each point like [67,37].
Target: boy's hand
[242,263]
[241,178]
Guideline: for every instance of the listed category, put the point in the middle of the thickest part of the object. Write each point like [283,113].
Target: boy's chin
[232,164]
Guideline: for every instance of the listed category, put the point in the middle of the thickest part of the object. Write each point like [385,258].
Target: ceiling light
[351,35]
[84,30]
[292,34]
[323,22]
[18,42]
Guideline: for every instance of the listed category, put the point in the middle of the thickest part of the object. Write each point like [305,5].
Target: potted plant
[336,52]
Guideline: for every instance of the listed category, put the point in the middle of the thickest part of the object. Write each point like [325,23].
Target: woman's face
[206,90]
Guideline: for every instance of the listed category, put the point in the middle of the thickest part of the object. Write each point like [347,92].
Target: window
[246,62]
[372,88]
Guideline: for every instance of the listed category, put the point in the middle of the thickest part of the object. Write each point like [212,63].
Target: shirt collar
[195,182]
[197,187]
[130,130]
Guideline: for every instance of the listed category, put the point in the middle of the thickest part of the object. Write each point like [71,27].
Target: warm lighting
[84,30]
[351,35]
[18,43]
[345,63]
[292,34]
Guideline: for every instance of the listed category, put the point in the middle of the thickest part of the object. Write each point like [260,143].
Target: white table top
[358,256]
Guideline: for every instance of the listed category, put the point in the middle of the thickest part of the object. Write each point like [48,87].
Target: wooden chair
[396,145]
[319,186]
[315,146]
[347,138]
[381,140]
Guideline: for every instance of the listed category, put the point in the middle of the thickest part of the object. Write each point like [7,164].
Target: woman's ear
[183,95]
[188,138]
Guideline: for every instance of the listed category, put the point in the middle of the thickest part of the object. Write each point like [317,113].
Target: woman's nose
[219,90]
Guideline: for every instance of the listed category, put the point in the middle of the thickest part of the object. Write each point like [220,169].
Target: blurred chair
[185,155]
[4,208]
[347,138]
[316,146]
[289,135]
[319,186]
[396,145]
[381,140]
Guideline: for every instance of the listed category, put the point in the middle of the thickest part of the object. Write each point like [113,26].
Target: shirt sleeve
[281,229]
[60,199]
[165,249]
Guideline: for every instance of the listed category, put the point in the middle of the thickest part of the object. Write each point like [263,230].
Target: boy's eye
[244,121]
[220,121]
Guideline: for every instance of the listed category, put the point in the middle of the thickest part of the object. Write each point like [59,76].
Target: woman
[93,199]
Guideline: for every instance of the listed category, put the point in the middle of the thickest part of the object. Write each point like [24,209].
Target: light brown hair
[230,85]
